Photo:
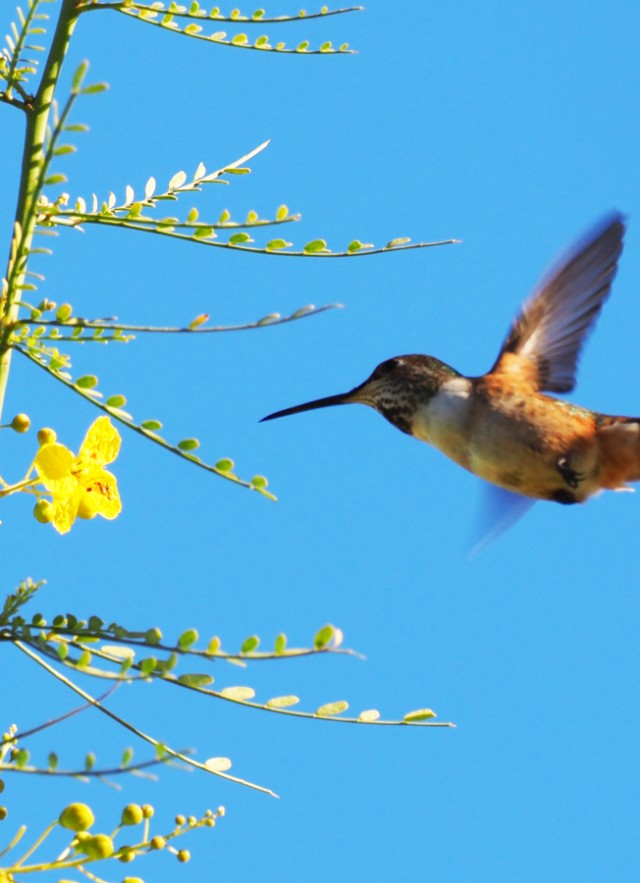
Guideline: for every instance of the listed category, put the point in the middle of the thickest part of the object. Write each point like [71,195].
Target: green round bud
[184,855]
[192,821]
[147,810]
[20,423]
[127,856]
[4,812]
[131,814]
[158,842]
[180,819]
[210,823]
[46,436]
[76,817]
[43,511]
[97,847]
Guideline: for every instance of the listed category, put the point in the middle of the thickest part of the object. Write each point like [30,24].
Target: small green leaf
[62,650]
[332,708]
[315,246]
[259,482]
[282,701]
[250,644]
[79,75]
[90,761]
[204,233]
[303,46]
[214,645]
[94,89]
[148,665]
[152,636]
[323,637]
[282,213]
[88,381]
[151,425]
[53,760]
[421,714]
[277,244]
[394,243]
[127,757]
[280,644]
[189,444]
[84,659]
[192,216]
[238,238]
[252,216]
[195,680]
[238,693]
[225,465]
[225,216]
[117,401]
[187,639]
[368,716]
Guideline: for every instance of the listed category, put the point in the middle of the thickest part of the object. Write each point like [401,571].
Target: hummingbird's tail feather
[327,402]
[499,510]
[619,439]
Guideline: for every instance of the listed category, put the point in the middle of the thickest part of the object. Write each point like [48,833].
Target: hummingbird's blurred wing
[499,510]
[543,344]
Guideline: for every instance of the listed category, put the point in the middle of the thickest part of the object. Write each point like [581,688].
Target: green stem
[33,162]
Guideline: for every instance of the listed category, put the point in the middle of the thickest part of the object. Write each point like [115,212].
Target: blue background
[510,126]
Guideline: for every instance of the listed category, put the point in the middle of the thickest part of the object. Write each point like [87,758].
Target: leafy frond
[15,66]
[93,330]
[218,769]
[55,363]
[112,653]
[163,15]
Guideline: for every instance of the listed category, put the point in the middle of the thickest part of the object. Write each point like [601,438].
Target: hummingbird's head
[396,389]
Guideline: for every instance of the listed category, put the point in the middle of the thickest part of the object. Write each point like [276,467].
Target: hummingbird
[503,426]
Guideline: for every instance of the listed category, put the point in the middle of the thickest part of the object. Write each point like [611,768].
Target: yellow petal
[54,462]
[101,444]
[64,512]
[100,495]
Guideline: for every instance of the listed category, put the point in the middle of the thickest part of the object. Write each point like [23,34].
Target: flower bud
[43,511]
[97,847]
[76,817]
[46,436]
[20,423]
[131,814]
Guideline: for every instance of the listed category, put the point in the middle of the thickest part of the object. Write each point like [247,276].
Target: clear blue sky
[512,127]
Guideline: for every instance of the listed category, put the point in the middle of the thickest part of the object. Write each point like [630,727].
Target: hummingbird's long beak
[342,399]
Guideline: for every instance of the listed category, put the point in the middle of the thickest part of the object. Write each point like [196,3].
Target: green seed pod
[76,817]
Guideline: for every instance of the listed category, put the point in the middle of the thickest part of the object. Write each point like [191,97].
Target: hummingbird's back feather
[544,342]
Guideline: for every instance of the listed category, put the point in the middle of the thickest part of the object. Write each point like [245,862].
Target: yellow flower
[80,486]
